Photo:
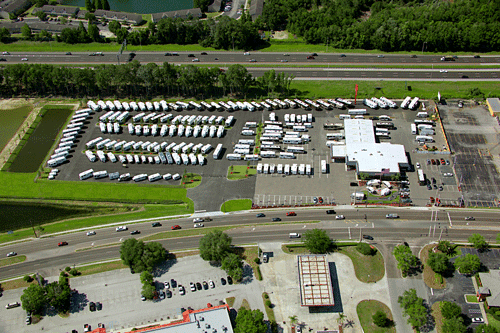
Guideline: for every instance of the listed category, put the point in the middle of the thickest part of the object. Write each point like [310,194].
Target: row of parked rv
[161,158]
[69,134]
[126,176]
[423,129]
[114,145]
[286,169]
[268,104]
[181,130]
[53,173]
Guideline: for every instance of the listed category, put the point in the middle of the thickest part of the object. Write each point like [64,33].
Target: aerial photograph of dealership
[249,166]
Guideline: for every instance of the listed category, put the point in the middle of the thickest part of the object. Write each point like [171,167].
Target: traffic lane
[110,235]
[239,57]
[241,236]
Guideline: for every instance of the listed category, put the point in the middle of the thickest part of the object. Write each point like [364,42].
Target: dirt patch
[280,35]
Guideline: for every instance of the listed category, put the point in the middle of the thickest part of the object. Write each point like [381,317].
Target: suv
[197,220]
[122,228]
[330,211]
[392,216]
[92,306]
[260,215]
[156,224]
[291,214]
[265,258]
[368,237]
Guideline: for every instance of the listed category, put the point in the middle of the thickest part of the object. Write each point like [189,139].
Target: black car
[3,59]
[203,53]
[168,54]
[68,53]
[314,54]
[205,285]
[477,56]
[173,283]
[99,306]
[433,180]
[198,286]
[156,224]
[330,211]
[276,219]
[223,281]
[135,232]
[429,187]
[169,293]
[342,56]
[413,56]
[261,215]
[368,237]
[190,55]
[229,280]
[92,306]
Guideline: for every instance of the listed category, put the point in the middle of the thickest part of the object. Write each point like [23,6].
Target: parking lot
[119,292]
[273,189]
[472,134]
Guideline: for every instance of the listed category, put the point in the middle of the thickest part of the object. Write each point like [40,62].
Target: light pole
[423,45]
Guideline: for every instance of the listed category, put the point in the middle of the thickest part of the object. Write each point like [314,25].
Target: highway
[321,69]
[413,225]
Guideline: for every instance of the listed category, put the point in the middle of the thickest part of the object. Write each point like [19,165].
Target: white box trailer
[390,103]
[101,156]
[280,168]
[138,117]
[130,158]
[164,130]
[266,168]
[241,151]
[62,149]
[86,174]
[100,174]
[126,106]
[286,170]
[206,148]
[154,177]
[140,177]
[235,157]
[308,169]
[154,130]
[172,130]
[134,106]
[294,169]
[259,168]
[177,158]
[302,169]
[268,154]
[192,158]
[217,151]
[201,159]
[111,157]
[323,166]
[251,157]
[414,103]
[285,155]
[185,159]
[122,159]
[247,132]
[138,130]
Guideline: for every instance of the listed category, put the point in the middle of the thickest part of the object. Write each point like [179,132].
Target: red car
[62,243]
[310,57]
[291,214]
[175,227]
[443,162]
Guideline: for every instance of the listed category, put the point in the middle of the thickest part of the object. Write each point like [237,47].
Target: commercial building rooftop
[315,281]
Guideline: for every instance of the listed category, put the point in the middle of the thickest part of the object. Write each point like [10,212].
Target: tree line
[402,25]
[136,80]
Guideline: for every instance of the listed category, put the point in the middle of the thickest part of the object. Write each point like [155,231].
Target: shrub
[380,319]
[28,278]
[74,272]
[365,249]
[268,303]
[67,269]
[266,296]
[257,260]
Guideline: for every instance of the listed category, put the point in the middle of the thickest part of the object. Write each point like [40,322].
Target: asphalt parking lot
[472,134]
[120,294]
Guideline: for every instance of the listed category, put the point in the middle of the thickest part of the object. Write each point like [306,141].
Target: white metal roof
[315,282]
[377,157]
[359,131]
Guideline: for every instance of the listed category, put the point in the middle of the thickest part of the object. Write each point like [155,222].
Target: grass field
[191,180]
[14,284]
[99,268]
[368,268]
[22,185]
[394,89]
[236,205]
[366,309]
[149,211]
[269,310]
[471,298]
[12,260]
[235,172]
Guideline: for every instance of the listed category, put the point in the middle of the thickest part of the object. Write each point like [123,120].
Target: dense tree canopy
[438,262]
[450,310]
[215,246]
[317,241]
[461,25]
[414,308]
[478,242]
[468,264]
[405,258]
[140,256]
[130,79]
[250,321]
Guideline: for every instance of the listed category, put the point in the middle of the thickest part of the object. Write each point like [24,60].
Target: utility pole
[34,231]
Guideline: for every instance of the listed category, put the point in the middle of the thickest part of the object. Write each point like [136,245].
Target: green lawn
[22,185]
[394,89]
[235,172]
[471,298]
[236,205]
[11,260]
[191,180]
[368,268]
[492,321]
[150,211]
[99,268]
[366,309]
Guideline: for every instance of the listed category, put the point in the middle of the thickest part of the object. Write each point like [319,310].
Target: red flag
[356,95]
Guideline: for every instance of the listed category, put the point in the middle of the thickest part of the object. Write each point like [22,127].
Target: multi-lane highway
[326,66]
[412,225]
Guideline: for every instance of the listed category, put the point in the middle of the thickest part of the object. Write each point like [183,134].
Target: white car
[90,233]
[182,291]
[340,217]
[166,284]
[195,60]
[24,59]
[477,320]
[193,287]
[197,220]
[199,225]
[443,71]
[418,165]
[11,254]
[448,174]
[122,228]
[246,53]
[211,284]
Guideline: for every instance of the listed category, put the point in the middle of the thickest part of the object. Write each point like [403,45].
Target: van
[294,235]
[13,305]
[422,115]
